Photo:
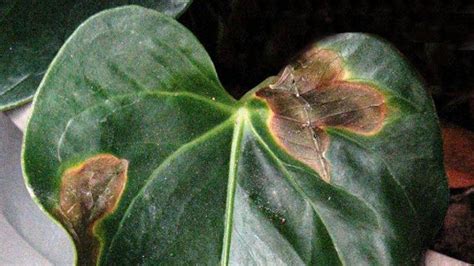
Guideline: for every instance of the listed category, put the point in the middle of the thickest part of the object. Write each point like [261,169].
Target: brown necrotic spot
[88,193]
[312,95]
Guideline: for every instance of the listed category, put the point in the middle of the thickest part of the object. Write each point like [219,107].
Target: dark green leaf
[135,147]
[33,31]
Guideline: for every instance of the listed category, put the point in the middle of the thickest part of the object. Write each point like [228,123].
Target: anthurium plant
[137,150]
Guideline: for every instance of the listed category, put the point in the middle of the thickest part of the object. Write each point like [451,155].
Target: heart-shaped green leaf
[138,151]
[33,31]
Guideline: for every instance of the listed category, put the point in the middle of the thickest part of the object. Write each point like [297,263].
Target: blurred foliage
[250,40]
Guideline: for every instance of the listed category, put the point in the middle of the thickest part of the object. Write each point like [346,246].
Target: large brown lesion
[88,193]
[312,95]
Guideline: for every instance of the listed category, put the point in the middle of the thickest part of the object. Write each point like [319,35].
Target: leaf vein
[165,163]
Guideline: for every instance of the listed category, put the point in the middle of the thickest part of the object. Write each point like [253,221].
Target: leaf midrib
[242,119]
[235,153]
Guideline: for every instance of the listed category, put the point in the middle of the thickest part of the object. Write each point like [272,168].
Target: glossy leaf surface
[135,147]
[33,31]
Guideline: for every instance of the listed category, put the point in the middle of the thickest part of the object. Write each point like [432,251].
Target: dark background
[250,40]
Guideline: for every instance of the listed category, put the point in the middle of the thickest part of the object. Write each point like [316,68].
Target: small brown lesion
[89,192]
[311,95]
